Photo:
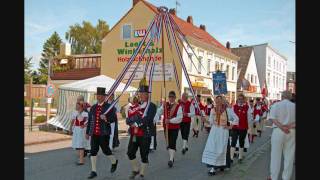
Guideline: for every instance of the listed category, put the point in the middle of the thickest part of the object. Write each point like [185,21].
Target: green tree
[51,48]
[27,69]
[35,78]
[85,38]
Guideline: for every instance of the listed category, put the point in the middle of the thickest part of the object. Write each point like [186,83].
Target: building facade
[272,70]
[248,81]
[291,82]
[118,46]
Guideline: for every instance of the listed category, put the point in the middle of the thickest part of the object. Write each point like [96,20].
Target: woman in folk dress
[79,123]
[215,152]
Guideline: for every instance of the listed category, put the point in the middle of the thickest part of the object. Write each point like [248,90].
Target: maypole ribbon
[150,88]
[133,73]
[127,66]
[185,39]
[182,64]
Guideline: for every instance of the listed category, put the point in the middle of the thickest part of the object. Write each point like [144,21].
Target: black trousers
[238,134]
[103,142]
[185,130]
[154,134]
[173,135]
[143,143]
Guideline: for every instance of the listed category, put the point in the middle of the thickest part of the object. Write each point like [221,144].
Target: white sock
[143,167]
[240,153]
[232,150]
[212,170]
[171,154]
[94,163]
[112,159]
[134,164]
[184,144]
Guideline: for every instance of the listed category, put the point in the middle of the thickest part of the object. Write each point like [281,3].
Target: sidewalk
[39,137]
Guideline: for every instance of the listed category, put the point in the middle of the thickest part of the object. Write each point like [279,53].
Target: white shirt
[175,120]
[232,117]
[127,109]
[283,111]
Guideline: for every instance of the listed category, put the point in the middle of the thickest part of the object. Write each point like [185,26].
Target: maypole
[164,9]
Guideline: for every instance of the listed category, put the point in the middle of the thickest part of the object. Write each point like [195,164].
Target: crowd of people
[231,128]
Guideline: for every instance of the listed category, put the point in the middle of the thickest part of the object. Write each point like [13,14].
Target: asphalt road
[60,164]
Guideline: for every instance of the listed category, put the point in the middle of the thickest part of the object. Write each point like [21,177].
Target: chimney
[203,27]
[228,45]
[172,11]
[190,20]
[134,2]
[65,49]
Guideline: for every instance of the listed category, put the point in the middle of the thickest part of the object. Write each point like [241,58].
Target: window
[217,66]
[255,79]
[274,81]
[190,62]
[248,77]
[268,79]
[269,61]
[199,64]
[233,69]
[221,66]
[227,72]
[208,66]
[126,31]
[251,78]
[274,63]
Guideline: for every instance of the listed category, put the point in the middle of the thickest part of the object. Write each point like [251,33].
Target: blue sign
[50,90]
[219,83]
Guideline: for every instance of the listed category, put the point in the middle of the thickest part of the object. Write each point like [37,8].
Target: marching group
[231,128]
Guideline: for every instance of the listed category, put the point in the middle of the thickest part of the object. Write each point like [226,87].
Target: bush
[40,119]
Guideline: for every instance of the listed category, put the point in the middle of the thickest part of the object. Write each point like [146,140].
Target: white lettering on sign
[157,74]
[139,32]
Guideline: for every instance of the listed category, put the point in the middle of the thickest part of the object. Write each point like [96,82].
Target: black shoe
[170,164]
[79,164]
[92,175]
[114,167]
[231,161]
[85,153]
[184,151]
[221,169]
[133,174]
[141,176]
[240,161]
[187,149]
[211,173]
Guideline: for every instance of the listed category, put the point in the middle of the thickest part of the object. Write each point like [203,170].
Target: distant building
[248,80]
[291,82]
[272,70]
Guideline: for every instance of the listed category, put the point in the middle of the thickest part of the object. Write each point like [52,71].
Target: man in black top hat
[141,128]
[99,129]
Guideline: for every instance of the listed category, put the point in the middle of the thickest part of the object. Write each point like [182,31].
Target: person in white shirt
[172,119]
[282,115]
[79,123]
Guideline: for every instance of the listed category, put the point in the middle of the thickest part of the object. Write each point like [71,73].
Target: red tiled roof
[189,29]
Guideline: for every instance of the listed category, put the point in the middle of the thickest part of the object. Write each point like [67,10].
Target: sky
[245,22]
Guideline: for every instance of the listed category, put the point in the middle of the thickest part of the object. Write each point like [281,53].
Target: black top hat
[101,91]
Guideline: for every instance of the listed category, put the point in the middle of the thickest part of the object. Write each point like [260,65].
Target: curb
[48,141]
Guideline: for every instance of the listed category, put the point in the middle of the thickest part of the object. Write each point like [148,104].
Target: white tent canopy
[68,94]
[91,84]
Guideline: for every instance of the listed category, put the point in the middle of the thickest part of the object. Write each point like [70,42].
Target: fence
[38,91]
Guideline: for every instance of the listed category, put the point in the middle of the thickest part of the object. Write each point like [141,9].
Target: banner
[219,83]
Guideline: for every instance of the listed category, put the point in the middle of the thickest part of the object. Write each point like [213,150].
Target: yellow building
[119,44]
